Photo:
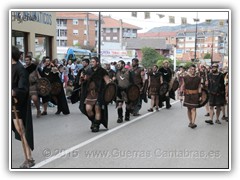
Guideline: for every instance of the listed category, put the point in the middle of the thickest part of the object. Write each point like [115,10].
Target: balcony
[61,37]
[62,26]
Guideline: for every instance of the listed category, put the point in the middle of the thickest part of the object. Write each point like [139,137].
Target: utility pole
[87,24]
[195,52]
[99,35]
[212,46]
[121,34]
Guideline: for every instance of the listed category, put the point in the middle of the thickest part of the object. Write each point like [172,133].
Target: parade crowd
[94,86]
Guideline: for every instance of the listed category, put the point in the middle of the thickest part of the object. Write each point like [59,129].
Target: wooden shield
[204,99]
[43,87]
[133,93]
[163,89]
[109,93]
[175,85]
[56,88]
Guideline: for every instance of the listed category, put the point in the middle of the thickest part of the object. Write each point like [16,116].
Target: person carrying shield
[138,79]
[191,88]
[123,80]
[167,77]
[216,89]
[93,96]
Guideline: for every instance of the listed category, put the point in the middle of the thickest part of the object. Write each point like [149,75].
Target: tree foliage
[207,56]
[150,57]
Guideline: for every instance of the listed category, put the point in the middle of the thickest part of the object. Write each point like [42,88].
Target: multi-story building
[116,30]
[208,42]
[170,37]
[77,29]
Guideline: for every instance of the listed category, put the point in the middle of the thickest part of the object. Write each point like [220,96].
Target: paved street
[153,140]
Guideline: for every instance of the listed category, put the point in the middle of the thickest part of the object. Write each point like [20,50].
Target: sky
[155,21]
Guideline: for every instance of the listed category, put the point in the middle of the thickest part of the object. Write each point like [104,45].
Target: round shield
[43,86]
[56,88]
[175,85]
[133,93]
[204,98]
[163,89]
[109,93]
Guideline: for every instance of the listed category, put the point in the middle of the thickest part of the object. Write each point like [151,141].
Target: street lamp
[212,46]
[195,52]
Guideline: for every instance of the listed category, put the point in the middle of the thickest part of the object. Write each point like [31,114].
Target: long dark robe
[59,99]
[97,77]
[20,85]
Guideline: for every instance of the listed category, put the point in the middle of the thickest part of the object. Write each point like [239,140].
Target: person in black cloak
[21,108]
[92,100]
[51,73]
[167,77]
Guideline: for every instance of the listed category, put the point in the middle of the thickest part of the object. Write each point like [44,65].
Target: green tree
[207,56]
[150,57]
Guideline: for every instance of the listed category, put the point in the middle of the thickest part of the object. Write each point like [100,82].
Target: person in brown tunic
[191,88]
[155,80]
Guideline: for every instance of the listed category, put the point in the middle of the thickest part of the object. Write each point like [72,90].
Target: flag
[134,14]
[183,20]
[221,22]
[208,21]
[196,19]
[147,15]
[161,16]
[172,19]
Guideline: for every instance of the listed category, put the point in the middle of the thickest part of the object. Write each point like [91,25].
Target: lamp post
[195,52]
[99,35]
[212,46]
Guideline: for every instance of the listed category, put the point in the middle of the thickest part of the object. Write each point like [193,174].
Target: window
[75,32]
[115,38]
[75,42]
[63,43]
[75,21]
[108,30]
[63,33]
[115,30]
[108,38]
[85,21]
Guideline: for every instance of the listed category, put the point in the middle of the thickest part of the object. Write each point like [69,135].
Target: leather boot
[96,125]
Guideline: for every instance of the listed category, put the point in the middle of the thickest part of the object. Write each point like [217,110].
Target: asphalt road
[152,140]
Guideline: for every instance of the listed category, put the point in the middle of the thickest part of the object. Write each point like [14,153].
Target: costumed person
[180,77]
[227,94]
[33,77]
[138,79]
[123,80]
[57,94]
[191,88]
[203,73]
[92,96]
[225,75]
[111,73]
[155,80]
[216,89]
[167,77]
[21,108]
[80,84]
